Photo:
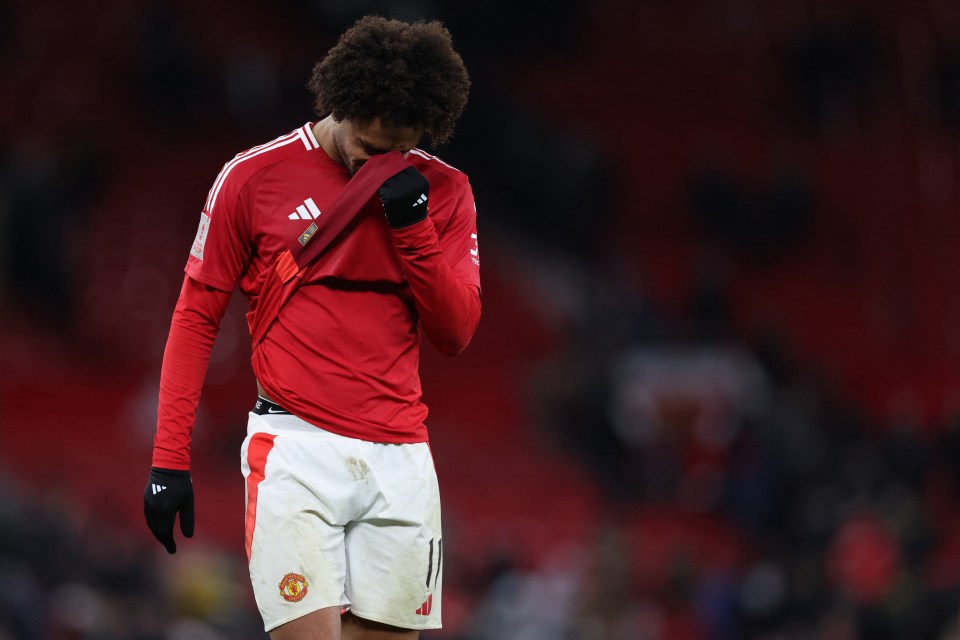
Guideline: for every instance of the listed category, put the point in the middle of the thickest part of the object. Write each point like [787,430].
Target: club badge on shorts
[293,587]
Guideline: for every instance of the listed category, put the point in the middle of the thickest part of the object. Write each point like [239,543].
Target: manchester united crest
[293,587]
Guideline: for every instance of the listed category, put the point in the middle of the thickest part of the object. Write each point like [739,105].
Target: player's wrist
[406,219]
[170,473]
[166,460]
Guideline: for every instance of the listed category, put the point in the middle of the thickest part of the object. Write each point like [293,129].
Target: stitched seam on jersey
[238,157]
[233,164]
[238,161]
[426,156]
[456,207]
[205,278]
[250,200]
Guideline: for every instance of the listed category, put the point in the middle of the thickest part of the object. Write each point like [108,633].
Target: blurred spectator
[947,76]
[65,578]
[555,188]
[760,225]
[172,83]
[251,87]
[834,66]
[45,196]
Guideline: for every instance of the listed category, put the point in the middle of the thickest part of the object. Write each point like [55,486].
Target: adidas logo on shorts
[425,608]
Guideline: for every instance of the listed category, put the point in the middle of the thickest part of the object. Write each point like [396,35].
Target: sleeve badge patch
[197,250]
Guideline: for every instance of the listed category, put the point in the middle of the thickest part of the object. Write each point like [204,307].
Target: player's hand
[404,198]
[168,492]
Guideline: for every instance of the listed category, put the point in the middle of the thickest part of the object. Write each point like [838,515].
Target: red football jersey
[344,351]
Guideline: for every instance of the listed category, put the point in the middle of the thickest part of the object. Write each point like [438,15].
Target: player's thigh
[395,552]
[295,536]
[297,560]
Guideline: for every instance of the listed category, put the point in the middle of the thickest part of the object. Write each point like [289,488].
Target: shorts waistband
[265,407]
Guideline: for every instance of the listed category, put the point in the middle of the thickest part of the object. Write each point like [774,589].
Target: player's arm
[442,272]
[219,255]
[193,329]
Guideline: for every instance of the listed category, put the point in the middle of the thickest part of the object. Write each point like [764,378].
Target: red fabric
[449,308]
[426,607]
[864,559]
[344,351]
[196,321]
[279,283]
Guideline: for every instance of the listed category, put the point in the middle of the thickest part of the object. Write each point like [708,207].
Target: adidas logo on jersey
[421,199]
[307,211]
[157,489]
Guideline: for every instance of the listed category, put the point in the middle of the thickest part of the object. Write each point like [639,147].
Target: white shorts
[336,521]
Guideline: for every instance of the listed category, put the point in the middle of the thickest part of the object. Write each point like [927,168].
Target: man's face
[357,140]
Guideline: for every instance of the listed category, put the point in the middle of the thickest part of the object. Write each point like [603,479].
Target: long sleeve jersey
[344,352]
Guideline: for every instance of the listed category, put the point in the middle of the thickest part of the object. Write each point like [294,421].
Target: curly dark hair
[408,75]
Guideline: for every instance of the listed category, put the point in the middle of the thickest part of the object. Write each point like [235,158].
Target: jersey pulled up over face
[344,351]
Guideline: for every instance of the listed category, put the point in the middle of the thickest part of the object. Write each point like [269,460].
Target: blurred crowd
[66,576]
[742,491]
[844,528]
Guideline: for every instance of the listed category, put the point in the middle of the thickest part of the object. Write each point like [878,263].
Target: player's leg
[355,628]
[295,536]
[395,551]
[323,624]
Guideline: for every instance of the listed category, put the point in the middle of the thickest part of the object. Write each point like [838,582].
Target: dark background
[715,393]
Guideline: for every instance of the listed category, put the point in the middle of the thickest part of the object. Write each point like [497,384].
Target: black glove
[404,198]
[168,492]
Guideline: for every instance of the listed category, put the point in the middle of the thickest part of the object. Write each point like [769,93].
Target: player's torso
[287,197]
[283,198]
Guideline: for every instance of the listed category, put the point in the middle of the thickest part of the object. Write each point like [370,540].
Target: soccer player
[343,529]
